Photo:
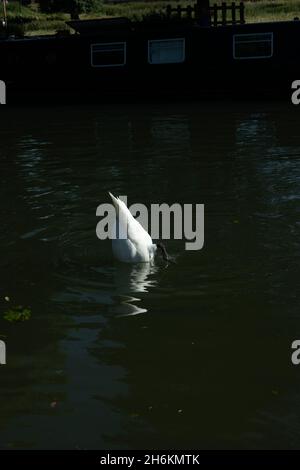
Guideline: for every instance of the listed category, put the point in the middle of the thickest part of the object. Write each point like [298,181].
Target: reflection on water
[195,354]
[132,279]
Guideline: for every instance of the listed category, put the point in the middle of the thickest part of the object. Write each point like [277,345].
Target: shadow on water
[195,354]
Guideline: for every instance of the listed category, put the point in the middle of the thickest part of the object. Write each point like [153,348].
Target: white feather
[138,246]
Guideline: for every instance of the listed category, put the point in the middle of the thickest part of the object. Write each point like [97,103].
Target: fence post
[189,11]
[242,13]
[233,13]
[215,14]
[224,13]
[204,12]
[197,11]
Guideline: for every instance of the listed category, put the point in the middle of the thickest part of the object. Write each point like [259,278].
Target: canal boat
[201,50]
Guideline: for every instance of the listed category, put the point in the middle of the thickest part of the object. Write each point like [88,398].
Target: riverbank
[30,20]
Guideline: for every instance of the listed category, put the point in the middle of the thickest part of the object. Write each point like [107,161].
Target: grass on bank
[31,21]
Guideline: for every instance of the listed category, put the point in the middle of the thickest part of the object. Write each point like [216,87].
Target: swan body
[138,246]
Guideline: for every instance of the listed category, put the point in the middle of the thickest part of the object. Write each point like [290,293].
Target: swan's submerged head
[163,250]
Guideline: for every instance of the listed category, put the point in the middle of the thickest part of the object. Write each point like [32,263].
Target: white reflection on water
[132,279]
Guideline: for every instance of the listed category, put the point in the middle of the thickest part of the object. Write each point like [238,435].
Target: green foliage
[17,314]
[69,6]
[52,14]
[272,10]
[15,10]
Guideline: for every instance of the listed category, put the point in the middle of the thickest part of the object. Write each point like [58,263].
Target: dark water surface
[195,354]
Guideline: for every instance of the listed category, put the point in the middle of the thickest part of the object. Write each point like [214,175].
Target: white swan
[138,246]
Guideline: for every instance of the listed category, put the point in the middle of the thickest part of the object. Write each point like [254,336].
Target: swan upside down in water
[138,246]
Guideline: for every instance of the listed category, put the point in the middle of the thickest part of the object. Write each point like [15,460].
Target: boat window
[108,54]
[253,46]
[166,51]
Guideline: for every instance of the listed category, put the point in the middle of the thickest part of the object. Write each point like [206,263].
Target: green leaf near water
[17,314]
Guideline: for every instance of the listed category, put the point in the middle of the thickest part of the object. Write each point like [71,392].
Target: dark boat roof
[111,26]
[121,24]
[93,26]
